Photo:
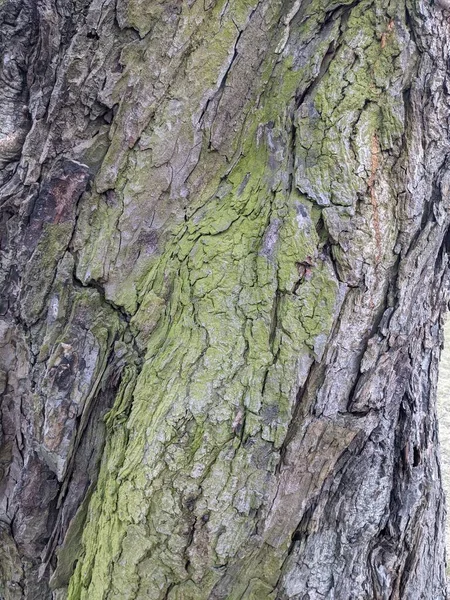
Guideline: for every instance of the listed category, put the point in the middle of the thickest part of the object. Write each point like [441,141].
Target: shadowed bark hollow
[224,230]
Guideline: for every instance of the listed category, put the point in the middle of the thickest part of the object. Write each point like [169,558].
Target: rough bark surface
[443,410]
[224,233]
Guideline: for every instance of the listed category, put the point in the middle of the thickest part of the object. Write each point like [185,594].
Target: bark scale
[224,263]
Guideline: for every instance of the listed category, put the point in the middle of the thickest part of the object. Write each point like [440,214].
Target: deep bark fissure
[225,258]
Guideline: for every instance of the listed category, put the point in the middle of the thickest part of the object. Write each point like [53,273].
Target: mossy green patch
[234,309]
[333,165]
[219,353]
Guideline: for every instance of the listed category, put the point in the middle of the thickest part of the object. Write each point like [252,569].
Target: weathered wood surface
[443,406]
[224,233]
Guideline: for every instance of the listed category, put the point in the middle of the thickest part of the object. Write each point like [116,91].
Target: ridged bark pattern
[224,264]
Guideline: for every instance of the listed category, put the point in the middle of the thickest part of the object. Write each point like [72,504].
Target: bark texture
[224,236]
[443,409]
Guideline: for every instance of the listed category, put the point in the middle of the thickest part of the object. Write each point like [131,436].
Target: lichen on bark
[226,266]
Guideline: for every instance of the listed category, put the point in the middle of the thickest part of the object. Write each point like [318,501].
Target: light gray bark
[443,410]
[224,235]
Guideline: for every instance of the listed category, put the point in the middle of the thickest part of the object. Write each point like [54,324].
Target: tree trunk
[224,265]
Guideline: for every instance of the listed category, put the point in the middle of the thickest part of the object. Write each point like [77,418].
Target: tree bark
[224,238]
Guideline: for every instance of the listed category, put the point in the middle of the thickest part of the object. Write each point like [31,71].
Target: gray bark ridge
[224,264]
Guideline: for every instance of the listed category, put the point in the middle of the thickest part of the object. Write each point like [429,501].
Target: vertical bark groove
[224,263]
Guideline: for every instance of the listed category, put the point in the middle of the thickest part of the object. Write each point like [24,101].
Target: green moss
[224,269]
[234,309]
[369,55]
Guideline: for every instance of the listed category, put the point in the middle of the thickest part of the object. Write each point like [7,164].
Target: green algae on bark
[224,210]
[222,365]
[242,301]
